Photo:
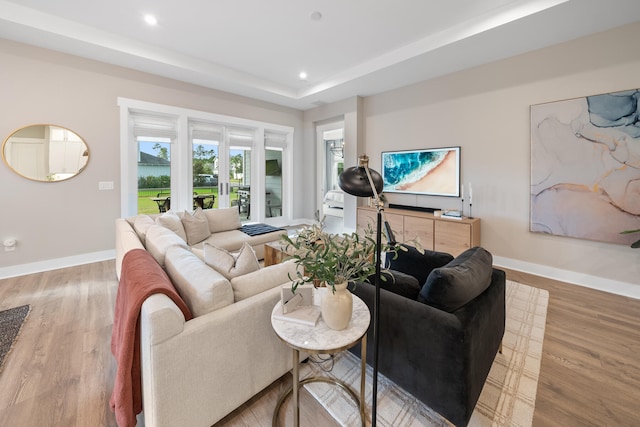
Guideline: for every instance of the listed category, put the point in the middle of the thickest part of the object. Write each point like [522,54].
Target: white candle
[470,194]
[462,191]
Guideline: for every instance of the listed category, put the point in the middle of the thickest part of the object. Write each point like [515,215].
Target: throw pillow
[418,265]
[398,283]
[224,219]
[231,264]
[172,221]
[454,285]
[196,226]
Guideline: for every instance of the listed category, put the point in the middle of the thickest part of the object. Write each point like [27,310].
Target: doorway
[331,197]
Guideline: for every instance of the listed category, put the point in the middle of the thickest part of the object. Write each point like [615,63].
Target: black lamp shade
[354,181]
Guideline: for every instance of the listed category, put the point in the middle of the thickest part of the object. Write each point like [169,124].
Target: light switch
[105,185]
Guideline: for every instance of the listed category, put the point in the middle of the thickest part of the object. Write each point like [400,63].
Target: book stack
[304,315]
[452,214]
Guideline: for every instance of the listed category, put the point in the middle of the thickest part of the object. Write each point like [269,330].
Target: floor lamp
[361,181]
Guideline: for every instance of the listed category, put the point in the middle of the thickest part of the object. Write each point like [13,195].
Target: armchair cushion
[461,280]
[398,283]
[418,265]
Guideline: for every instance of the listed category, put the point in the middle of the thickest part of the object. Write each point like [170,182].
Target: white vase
[337,307]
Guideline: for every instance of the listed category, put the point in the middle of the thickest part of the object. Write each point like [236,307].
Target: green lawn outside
[148,206]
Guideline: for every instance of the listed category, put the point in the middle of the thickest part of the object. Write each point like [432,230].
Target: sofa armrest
[126,240]
[220,360]
[162,319]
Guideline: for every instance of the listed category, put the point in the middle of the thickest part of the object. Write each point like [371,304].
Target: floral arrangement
[333,258]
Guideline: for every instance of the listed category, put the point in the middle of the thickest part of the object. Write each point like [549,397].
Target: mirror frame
[7,140]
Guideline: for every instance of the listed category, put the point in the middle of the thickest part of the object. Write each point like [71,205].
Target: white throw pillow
[231,264]
[172,221]
[223,219]
[196,226]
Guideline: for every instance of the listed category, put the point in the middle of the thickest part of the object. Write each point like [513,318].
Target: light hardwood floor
[60,372]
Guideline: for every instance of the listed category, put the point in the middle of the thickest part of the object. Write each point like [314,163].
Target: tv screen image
[432,171]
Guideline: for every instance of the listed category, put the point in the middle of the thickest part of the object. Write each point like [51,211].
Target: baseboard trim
[54,264]
[588,281]
[599,283]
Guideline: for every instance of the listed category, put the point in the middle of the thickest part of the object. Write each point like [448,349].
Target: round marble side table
[320,339]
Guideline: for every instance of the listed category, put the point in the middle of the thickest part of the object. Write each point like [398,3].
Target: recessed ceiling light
[150,19]
[302,75]
[315,15]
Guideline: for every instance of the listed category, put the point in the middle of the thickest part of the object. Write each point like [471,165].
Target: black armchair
[440,356]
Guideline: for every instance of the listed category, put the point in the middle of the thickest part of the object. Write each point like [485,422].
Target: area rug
[11,322]
[507,399]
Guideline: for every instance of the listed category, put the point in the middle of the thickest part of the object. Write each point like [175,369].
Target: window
[173,158]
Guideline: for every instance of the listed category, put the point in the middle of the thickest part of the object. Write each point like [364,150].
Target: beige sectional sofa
[196,372]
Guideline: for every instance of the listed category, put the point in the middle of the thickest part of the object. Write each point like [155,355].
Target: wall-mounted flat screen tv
[431,171]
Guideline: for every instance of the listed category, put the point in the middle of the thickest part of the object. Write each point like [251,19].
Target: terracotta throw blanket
[140,278]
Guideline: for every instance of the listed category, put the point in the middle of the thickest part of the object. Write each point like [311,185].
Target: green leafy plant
[333,258]
[635,244]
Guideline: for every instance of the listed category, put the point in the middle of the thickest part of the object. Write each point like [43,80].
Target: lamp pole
[361,181]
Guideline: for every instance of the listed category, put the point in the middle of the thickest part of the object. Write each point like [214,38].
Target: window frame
[181,156]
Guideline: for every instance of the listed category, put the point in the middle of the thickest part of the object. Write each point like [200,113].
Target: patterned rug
[507,399]
[11,322]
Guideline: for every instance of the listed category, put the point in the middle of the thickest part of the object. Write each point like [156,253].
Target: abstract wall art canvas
[585,167]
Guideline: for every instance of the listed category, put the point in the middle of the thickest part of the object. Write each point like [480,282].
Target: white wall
[485,110]
[71,222]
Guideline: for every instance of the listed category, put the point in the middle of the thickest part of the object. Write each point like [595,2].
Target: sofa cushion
[202,288]
[223,219]
[397,282]
[231,264]
[231,240]
[160,239]
[141,224]
[259,281]
[196,226]
[452,286]
[418,265]
[172,221]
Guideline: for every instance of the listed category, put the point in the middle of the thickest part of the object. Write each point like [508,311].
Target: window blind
[154,125]
[206,131]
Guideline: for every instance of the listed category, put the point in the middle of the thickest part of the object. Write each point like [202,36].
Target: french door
[175,158]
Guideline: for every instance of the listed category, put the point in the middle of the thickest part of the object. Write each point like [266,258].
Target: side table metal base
[333,381]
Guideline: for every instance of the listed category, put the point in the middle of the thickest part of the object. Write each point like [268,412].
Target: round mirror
[45,153]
